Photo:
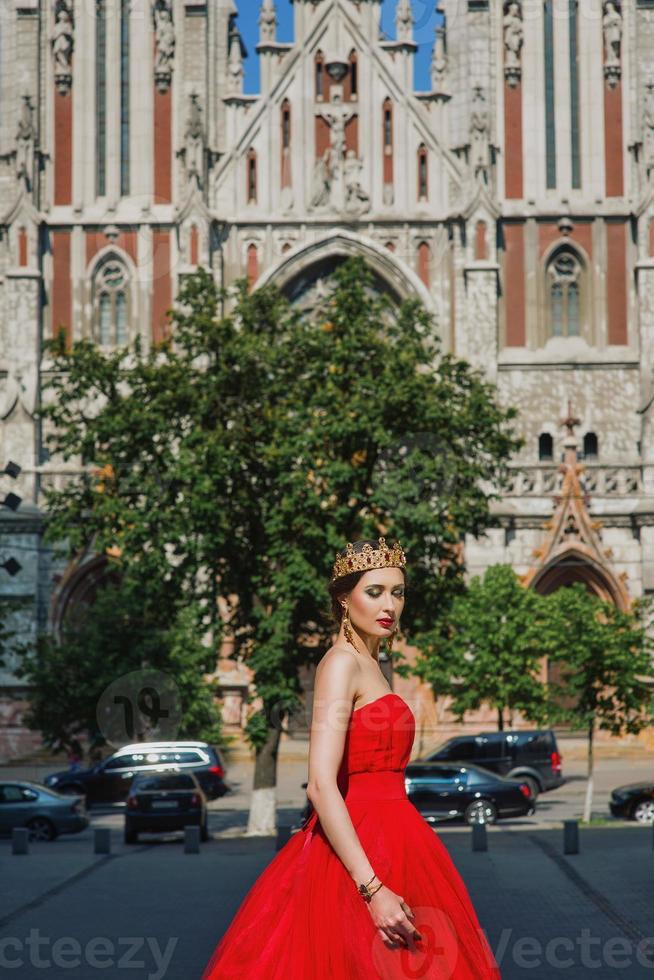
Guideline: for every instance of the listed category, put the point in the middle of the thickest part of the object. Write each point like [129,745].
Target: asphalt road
[158,913]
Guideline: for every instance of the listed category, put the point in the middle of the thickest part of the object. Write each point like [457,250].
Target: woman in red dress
[365,890]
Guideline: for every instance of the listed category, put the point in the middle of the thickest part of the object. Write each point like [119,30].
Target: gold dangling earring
[389,644]
[346,626]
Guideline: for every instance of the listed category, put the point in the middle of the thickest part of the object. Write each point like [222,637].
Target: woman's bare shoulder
[339,660]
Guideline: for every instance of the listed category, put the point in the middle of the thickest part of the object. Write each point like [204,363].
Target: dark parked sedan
[165,802]
[634,802]
[442,792]
[44,812]
[109,781]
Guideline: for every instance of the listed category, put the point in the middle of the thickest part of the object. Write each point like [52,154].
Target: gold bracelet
[364,890]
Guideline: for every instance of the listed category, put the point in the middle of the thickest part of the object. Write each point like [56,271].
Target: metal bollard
[479,837]
[283,835]
[191,840]
[102,840]
[571,837]
[20,837]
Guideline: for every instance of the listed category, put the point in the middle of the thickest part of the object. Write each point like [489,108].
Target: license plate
[163,804]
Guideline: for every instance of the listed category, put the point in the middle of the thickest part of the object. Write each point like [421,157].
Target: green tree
[487,649]
[121,632]
[606,658]
[235,460]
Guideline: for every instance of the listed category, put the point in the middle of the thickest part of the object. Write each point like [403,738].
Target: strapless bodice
[377,749]
[379,737]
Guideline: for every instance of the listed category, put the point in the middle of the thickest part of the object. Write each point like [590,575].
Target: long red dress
[303,918]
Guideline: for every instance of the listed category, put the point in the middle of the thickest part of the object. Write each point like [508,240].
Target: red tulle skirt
[303,918]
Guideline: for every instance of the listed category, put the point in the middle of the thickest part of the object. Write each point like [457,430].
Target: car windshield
[173,781]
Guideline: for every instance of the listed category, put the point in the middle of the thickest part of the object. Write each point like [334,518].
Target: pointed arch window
[251,167]
[100,98]
[387,140]
[424,257]
[565,286]
[286,143]
[286,124]
[423,189]
[111,303]
[545,447]
[351,80]
[591,446]
[124,96]
[319,76]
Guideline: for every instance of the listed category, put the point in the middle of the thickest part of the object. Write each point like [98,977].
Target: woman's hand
[393,918]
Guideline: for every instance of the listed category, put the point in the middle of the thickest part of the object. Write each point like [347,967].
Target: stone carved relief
[20,385]
[513,41]
[647,134]
[193,151]
[62,43]
[336,179]
[480,155]
[164,35]
[25,144]
[481,345]
[612,28]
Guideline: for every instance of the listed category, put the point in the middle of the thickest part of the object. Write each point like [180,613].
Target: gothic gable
[337,131]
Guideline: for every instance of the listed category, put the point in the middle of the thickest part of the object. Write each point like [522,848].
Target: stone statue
[513,40]
[321,180]
[480,137]
[438,67]
[164,34]
[235,71]
[25,143]
[194,142]
[337,115]
[612,26]
[356,198]
[62,49]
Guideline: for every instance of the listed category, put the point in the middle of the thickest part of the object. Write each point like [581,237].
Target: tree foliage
[488,648]
[239,456]
[110,639]
[605,658]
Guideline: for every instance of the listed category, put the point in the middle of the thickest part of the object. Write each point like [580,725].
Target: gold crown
[368,557]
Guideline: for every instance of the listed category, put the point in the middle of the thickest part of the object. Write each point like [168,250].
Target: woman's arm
[334,690]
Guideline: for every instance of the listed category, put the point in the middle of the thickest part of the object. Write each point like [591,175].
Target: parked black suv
[531,756]
[109,781]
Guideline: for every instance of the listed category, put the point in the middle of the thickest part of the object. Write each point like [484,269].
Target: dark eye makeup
[375,591]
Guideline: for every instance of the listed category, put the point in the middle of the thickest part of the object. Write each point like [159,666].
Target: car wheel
[480,811]
[40,828]
[644,812]
[204,831]
[534,788]
[131,836]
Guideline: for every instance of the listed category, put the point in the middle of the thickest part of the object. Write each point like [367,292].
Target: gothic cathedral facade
[514,198]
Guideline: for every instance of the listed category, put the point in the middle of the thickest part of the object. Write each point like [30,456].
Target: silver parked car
[43,811]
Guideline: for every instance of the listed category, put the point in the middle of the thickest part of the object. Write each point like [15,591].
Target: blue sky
[425,23]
